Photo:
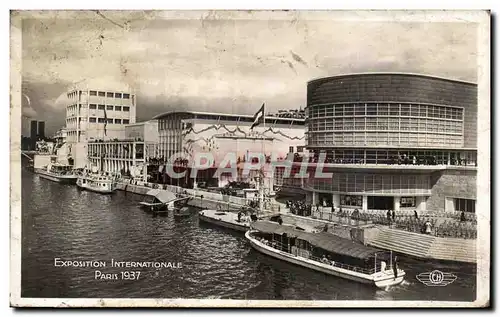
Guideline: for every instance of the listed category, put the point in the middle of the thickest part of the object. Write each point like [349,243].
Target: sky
[224,61]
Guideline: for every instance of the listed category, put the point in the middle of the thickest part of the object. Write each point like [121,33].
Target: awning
[324,240]
[162,195]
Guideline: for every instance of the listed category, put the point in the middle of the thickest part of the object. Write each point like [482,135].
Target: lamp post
[201,197]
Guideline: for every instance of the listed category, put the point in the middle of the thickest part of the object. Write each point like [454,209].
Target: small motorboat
[161,201]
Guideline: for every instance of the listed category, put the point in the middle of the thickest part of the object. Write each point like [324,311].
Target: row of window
[357,201]
[108,120]
[372,183]
[384,138]
[381,123]
[75,94]
[398,156]
[109,107]
[109,94]
[385,109]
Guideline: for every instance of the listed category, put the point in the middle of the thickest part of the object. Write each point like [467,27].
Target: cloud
[225,65]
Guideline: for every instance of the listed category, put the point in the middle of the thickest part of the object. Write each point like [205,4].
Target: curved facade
[391,110]
[365,123]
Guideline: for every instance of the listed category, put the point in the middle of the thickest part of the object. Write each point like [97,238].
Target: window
[118,95]
[93,106]
[109,107]
[118,108]
[109,94]
[92,120]
[359,109]
[408,202]
[93,93]
[351,200]
[394,109]
[118,121]
[101,120]
[467,205]
[126,121]
[405,110]
[383,110]
[110,121]
[126,109]
[371,109]
[126,96]
[101,107]
[102,94]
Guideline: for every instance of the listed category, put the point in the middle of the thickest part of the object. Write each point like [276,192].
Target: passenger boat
[325,252]
[99,183]
[162,201]
[58,173]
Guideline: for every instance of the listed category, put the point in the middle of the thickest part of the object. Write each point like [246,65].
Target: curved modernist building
[393,141]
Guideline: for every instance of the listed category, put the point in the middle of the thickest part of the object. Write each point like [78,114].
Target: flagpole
[261,176]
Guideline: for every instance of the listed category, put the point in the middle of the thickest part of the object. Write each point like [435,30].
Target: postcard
[250,158]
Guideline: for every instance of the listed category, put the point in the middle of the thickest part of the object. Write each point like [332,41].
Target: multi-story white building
[96,111]
[128,155]
[191,132]
[124,156]
[98,114]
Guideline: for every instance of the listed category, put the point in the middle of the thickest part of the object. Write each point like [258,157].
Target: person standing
[428,227]
[416,214]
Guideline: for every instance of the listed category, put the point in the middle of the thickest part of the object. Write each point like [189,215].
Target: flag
[105,120]
[258,117]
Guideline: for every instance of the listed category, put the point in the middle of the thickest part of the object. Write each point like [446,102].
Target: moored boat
[327,253]
[58,173]
[228,219]
[99,183]
[161,202]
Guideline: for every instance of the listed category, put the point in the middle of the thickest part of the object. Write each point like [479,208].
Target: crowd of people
[392,160]
[299,207]
[461,225]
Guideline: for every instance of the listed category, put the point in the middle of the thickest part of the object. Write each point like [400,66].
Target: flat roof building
[393,141]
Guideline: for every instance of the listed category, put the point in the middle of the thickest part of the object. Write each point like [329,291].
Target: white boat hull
[222,222]
[64,179]
[379,279]
[83,183]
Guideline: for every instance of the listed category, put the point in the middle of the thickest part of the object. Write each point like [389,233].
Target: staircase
[424,246]
[403,242]
[454,249]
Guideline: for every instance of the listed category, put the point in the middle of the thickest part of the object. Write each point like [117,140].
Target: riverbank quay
[416,245]
[200,198]
[413,244]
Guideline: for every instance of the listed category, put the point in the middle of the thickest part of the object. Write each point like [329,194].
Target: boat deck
[226,219]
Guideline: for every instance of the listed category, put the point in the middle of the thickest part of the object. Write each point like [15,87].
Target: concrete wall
[146,131]
[453,184]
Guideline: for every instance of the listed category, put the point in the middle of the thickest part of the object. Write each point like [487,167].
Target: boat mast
[261,171]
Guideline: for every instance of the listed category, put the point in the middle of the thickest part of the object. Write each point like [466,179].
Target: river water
[61,221]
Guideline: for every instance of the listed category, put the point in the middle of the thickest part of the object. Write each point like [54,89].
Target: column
[315,198]
[336,200]
[421,203]
[397,201]
[365,203]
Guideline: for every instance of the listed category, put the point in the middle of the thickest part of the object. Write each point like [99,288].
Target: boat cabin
[60,169]
[322,247]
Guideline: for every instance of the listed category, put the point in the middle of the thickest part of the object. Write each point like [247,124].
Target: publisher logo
[436,278]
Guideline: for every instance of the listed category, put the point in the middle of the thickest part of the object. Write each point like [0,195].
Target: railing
[449,227]
[284,248]
[206,195]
